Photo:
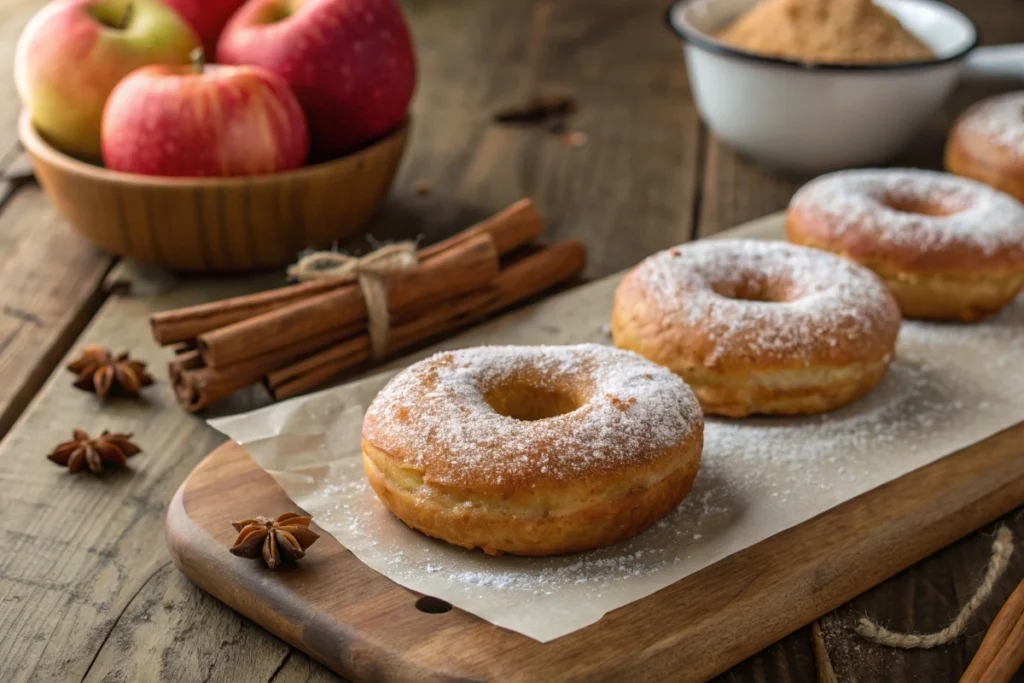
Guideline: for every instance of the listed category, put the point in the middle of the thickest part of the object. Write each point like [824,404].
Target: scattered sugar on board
[979,217]
[826,296]
[1000,120]
[783,458]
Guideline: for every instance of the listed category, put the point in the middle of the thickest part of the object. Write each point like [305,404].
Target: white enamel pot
[811,118]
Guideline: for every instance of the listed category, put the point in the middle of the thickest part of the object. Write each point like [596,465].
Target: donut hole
[751,290]
[530,403]
[922,208]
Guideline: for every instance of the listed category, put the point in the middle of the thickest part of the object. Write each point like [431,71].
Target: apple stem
[198,58]
[126,18]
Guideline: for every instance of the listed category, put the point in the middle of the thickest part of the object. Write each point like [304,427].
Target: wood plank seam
[284,662]
[39,368]
[51,359]
[703,140]
[127,604]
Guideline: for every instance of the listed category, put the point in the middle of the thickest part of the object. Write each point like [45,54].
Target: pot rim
[705,42]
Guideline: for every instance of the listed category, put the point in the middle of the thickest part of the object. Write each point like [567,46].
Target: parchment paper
[950,386]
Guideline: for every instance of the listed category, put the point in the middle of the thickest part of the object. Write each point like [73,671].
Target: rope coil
[1002,549]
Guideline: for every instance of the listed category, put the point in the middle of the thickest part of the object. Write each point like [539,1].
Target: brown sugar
[825,32]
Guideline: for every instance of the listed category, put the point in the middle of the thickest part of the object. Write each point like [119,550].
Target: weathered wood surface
[50,281]
[86,589]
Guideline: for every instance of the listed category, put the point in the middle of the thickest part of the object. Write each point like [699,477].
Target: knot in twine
[1002,549]
[369,271]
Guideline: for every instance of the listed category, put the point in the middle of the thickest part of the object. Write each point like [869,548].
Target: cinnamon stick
[188,360]
[510,228]
[185,324]
[522,280]
[538,272]
[334,360]
[1002,651]
[464,268]
[197,385]
[316,370]
[442,319]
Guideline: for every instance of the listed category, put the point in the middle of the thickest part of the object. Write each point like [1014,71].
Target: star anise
[105,450]
[105,374]
[285,538]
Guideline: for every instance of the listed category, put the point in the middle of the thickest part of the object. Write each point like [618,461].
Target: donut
[532,450]
[987,143]
[759,327]
[948,248]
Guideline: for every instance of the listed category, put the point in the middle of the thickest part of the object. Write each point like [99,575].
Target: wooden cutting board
[367,628]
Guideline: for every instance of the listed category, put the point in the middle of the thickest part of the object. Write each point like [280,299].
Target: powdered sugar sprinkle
[999,121]
[435,412]
[819,299]
[865,202]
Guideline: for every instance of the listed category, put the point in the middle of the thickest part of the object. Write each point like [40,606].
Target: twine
[369,271]
[1002,548]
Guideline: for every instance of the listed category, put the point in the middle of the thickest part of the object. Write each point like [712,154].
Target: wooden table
[87,591]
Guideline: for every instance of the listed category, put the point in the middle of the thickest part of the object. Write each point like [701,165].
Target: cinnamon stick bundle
[511,228]
[522,280]
[297,338]
[185,324]
[463,268]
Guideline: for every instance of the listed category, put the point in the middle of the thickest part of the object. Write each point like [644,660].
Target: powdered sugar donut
[533,450]
[759,327]
[987,143]
[947,247]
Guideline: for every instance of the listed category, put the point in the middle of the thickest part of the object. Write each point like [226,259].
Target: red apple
[350,62]
[207,17]
[73,53]
[212,121]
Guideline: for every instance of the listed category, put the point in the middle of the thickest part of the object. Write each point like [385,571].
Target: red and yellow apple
[73,52]
[206,17]
[196,121]
[350,62]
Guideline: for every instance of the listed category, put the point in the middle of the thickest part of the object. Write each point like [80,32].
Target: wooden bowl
[217,224]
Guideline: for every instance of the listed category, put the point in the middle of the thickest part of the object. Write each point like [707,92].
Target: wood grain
[634,179]
[360,624]
[50,281]
[83,552]
[927,596]
[86,589]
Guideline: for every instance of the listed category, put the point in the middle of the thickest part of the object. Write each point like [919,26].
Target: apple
[203,121]
[207,17]
[73,52]
[350,62]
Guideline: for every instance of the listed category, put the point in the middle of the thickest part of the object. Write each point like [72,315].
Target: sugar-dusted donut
[759,327]
[947,247]
[533,450]
[987,143]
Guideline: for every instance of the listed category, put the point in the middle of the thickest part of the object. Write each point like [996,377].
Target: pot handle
[995,62]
